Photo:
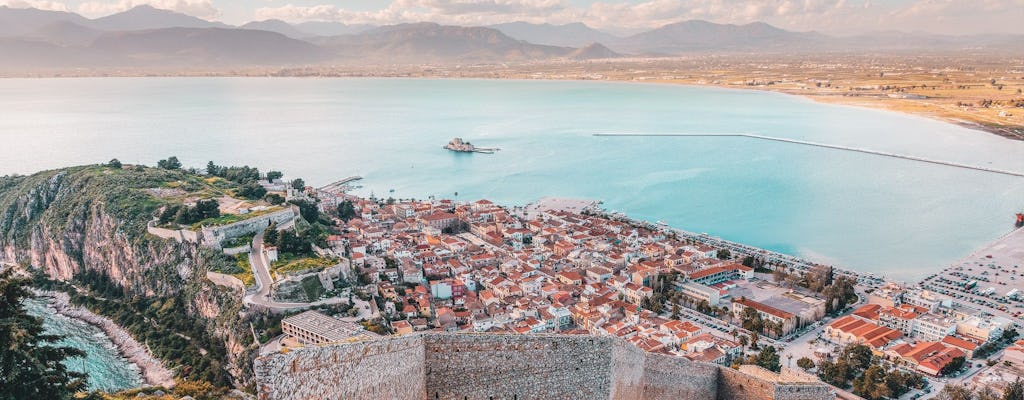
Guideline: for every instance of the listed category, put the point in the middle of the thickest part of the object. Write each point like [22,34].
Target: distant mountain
[205,46]
[165,48]
[593,51]
[276,25]
[147,17]
[22,21]
[696,36]
[568,35]
[65,33]
[326,28]
[430,42]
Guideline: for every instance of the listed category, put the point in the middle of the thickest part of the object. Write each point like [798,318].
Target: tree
[274,198]
[768,359]
[805,363]
[724,254]
[251,191]
[272,175]
[298,184]
[346,210]
[953,391]
[31,367]
[171,163]
[1014,391]
[954,365]
[744,341]
[270,235]
[871,384]
[307,210]
[114,163]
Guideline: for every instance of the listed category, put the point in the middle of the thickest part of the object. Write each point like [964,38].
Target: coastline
[152,370]
[873,101]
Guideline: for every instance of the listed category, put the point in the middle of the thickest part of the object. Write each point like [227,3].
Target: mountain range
[149,37]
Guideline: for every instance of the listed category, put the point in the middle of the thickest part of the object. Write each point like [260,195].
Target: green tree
[272,175]
[805,363]
[31,367]
[274,198]
[954,365]
[270,235]
[346,210]
[114,163]
[298,184]
[768,359]
[724,254]
[171,163]
[252,191]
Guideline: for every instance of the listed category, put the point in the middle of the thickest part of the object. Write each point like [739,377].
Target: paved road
[263,282]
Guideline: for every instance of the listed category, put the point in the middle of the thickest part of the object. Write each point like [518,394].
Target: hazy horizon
[841,17]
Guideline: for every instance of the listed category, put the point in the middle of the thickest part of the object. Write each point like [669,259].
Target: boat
[458,145]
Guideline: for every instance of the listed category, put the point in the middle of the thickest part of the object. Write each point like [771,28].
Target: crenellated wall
[510,367]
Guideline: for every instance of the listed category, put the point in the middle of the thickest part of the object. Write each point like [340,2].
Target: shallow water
[106,368]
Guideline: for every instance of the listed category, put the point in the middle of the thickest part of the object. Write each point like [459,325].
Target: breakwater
[822,145]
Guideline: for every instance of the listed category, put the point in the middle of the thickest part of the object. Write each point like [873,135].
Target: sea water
[898,218]
[107,369]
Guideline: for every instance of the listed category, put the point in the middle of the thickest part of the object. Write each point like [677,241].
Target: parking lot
[991,279]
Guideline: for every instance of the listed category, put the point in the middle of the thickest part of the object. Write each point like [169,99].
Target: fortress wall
[667,377]
[628,371]
[514,367]
[517,367]
[735,385]
[368,370]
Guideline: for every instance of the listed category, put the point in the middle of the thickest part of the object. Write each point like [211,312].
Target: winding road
[261,298]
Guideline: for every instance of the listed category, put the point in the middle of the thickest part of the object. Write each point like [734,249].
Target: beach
[153,371]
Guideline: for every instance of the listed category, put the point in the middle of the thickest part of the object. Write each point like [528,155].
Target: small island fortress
[456,366]
[458,145]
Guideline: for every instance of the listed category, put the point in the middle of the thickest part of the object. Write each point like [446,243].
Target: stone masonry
[453,366]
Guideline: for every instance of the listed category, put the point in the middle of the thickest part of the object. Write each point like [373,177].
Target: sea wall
[368,370]
[444,366]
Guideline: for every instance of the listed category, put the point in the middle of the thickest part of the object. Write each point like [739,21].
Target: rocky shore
[153,371]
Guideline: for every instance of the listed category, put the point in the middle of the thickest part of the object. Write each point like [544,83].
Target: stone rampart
[482,366]
[368,370]
[444,366]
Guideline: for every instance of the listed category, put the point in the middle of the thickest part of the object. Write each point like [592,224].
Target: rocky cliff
[90,221]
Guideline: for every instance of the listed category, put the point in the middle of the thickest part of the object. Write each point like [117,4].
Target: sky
[827,16]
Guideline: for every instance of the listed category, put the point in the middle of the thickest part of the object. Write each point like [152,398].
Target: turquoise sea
[107,370]
[899,218]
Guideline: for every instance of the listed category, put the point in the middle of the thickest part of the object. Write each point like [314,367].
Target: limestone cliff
[78,221]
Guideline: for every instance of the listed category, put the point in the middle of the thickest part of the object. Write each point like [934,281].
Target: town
[376,267]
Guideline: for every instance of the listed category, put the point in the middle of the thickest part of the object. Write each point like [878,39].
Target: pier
[340,186]
[823,145]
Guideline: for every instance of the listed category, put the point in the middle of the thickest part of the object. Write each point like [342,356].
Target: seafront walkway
[823,145]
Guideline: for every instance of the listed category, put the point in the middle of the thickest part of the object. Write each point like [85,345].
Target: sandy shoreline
[153,371]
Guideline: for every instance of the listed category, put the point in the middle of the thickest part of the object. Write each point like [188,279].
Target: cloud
[40,4]
[196,8]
